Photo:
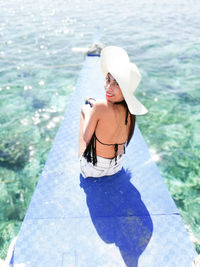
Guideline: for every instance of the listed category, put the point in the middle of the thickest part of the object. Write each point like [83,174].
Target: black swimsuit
[90,152]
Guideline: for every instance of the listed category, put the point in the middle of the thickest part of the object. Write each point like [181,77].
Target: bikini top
[90,151]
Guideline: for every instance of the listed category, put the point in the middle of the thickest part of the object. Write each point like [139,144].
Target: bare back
[111,129]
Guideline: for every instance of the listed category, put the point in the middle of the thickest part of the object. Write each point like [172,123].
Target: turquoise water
[38,74]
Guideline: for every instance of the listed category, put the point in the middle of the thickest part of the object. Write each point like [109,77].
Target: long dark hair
[132,119]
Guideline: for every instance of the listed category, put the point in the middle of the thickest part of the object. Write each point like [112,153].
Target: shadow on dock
[118,214]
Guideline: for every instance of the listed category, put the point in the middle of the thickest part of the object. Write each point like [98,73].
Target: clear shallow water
[38,73]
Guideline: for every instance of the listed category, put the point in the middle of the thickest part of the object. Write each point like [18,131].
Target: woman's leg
[82,143]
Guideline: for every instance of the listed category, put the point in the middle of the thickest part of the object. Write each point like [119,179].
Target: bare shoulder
[100,105]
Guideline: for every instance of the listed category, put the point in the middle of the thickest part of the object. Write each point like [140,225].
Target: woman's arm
[91,117]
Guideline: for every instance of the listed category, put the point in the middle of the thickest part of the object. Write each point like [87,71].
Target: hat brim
[134,105]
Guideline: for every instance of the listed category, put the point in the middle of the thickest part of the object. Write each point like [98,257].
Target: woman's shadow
[118,214]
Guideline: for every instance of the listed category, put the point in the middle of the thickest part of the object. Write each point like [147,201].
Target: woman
[107,126]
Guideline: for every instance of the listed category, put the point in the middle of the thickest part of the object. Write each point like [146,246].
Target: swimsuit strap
[107,144]
[115,146]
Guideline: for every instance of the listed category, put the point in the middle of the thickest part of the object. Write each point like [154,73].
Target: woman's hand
[90,101]
[86,108]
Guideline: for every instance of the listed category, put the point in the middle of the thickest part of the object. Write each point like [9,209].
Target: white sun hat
[115,60]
